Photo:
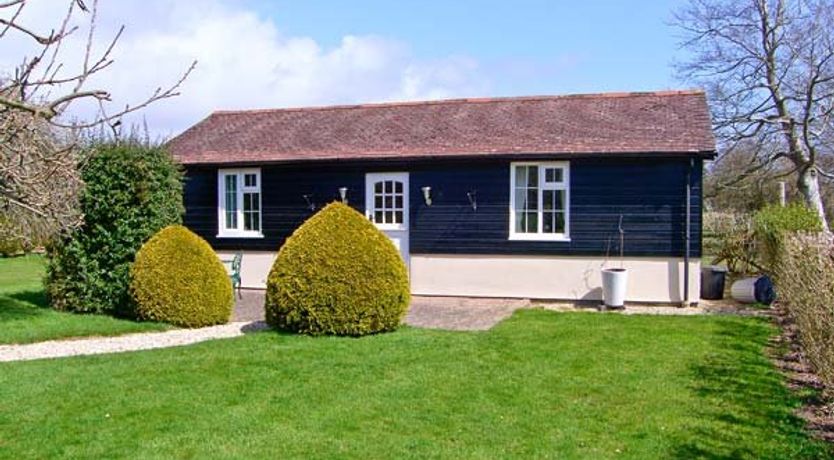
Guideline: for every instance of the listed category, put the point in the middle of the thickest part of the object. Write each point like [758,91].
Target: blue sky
[531,46]
[289,53]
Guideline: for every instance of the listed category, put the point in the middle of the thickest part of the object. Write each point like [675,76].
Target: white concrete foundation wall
[254,267]
[550,277]
[650,279]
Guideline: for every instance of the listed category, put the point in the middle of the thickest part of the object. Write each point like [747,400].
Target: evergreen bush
[337,274]
[131,191]
[178,279]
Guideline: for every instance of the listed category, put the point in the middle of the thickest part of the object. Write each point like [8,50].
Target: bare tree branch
[767,66]
[39,176]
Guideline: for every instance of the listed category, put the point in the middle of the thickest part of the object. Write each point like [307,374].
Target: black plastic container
[713,278]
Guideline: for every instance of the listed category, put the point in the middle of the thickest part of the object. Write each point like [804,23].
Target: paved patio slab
[249,305]
[460,313]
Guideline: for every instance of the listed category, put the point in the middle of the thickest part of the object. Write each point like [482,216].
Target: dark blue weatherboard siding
[282,199]
[649,193]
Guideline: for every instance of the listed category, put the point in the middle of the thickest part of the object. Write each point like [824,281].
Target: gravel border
[123,343]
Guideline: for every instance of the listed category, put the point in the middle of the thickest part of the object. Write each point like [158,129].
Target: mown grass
[25,316]
[539,385]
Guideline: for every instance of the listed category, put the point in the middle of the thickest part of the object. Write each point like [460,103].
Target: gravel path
[129,342]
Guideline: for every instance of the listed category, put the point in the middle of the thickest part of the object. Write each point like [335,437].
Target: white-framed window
[239,203]
[540,201]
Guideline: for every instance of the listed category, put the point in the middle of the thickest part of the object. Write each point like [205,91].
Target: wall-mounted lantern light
[343,194]
[473,199]
[427,195]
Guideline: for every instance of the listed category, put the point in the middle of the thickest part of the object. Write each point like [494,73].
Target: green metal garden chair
[234,272]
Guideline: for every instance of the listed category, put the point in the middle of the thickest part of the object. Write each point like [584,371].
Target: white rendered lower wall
[254,267]
[650,279]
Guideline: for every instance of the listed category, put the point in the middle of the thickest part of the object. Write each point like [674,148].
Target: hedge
[131,192]
[771,225]
[805,280]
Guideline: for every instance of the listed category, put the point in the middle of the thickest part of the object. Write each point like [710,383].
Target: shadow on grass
[23,304]
[742,396]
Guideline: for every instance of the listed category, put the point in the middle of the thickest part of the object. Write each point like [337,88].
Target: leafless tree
[39,179]
[730,185]
[40,156]
[768,67]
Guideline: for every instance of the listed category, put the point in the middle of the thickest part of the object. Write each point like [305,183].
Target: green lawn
[541,384]
[25,316]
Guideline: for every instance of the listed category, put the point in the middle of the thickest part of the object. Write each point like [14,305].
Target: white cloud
[245,62]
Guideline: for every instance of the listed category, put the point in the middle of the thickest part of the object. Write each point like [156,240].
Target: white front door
[386,205]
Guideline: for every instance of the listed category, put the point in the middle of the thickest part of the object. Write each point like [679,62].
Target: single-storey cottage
[499,197]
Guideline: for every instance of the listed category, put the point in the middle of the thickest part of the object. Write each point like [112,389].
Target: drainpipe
[688,236]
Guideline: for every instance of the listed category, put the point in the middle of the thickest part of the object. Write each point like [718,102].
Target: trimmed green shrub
[178,279]
[337,274]
[773,223]
[131,192]
[806,290]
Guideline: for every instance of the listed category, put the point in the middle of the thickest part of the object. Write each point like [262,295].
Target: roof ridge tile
[468,100]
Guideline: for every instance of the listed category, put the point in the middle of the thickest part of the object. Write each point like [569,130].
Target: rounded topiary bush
[178,279]
[337,274]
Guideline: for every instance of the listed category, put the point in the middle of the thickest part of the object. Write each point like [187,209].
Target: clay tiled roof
[669,122]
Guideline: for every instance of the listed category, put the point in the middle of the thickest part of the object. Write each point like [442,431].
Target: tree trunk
[809,187]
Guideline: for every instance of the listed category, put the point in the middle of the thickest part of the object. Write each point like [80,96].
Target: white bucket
[757,289]
[614,281]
